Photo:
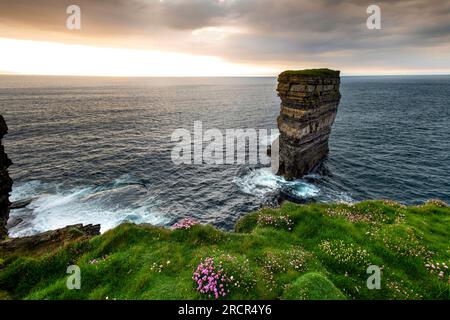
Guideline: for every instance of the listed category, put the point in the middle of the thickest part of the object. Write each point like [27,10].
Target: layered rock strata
[309,102]
[5,182]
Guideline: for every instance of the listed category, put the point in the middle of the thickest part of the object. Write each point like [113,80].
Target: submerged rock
[309,101]
[19,204]
[5,182]
[14,222]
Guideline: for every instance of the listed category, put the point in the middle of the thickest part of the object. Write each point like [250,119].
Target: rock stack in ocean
[5,181]
[309,101]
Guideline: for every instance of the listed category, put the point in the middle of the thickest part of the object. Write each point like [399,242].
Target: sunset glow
[50,58]
[222,38]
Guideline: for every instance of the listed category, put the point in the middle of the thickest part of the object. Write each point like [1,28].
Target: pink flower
[185,223]
[209,280]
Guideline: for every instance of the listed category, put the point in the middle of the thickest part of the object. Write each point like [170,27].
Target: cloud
[282,32]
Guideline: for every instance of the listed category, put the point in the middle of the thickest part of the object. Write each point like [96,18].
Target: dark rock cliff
[47,241]
[5,181]
[309,101]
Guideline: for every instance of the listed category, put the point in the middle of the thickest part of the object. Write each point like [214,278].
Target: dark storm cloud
[262,31]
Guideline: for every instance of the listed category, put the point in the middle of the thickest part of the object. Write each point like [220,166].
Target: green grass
[311,73]
[312,286]
[316,251]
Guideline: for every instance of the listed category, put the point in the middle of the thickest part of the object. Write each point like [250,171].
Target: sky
[223,37]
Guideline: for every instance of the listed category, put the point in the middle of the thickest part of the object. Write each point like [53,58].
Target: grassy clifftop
[311,73]
[295,252]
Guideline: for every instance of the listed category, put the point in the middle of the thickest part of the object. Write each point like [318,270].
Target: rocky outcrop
[19,204]
[47,241]
[5,181]
[309,101]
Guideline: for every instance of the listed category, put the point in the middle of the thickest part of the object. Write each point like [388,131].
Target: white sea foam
[26,190]
[108,208]
[261,182]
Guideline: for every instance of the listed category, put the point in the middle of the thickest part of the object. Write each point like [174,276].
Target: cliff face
[47,241]
[309,101]
[5,182]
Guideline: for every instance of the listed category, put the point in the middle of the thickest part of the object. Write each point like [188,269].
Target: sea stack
[5,182]
[309,102]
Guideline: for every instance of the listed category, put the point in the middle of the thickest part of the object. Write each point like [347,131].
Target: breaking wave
[108,206]
[262,182]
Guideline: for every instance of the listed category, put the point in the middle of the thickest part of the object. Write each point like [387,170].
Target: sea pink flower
[213,280]
[185,223]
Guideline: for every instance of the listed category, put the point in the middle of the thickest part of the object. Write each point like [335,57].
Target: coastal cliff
[309,101]
[5,181]
[315,251]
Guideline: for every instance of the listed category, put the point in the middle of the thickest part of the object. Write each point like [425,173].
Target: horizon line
[203,76]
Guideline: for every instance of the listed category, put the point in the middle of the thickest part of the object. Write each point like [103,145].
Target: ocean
[98,150]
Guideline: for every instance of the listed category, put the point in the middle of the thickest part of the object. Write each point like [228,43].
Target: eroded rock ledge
[309,101]
[47,241]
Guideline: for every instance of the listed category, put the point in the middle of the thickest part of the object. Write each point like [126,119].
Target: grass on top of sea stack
[323,252]
[324,72]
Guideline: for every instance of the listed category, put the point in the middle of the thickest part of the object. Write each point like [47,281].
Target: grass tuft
[312,286]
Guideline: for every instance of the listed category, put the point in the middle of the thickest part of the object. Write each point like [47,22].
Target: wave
[108,206]
[130,200]
[262,182]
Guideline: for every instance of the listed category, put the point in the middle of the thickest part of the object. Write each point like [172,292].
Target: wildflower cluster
[158,267]
[368,213]
[439,268]
[406,244]
[185,223]
[436,202]
[401,291]
[210,278]
[400,218]
[392,203]
[281,261]
[274,262]
[277,221]
[269,279]
[343,253]
[350,215]
[98,260]
[240,275]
